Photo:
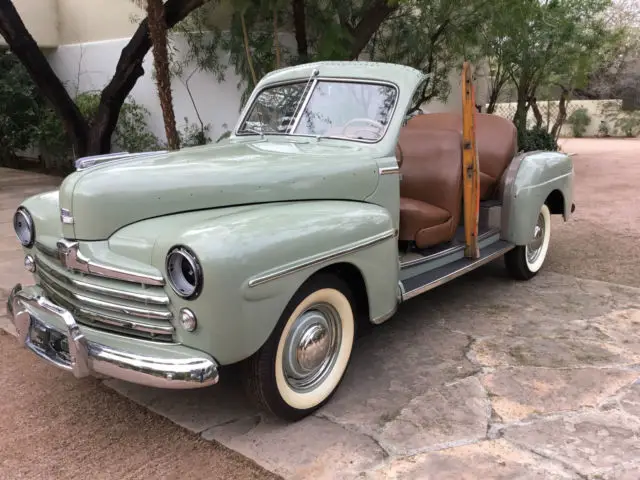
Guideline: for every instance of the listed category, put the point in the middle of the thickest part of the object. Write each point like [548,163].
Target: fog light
[29,263]
[188,320]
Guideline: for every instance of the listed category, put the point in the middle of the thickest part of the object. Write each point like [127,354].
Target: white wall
[90,66]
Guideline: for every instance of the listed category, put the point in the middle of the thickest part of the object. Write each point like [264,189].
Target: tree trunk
[276,45]
[247,50]
[26,49]
[562,113]
[522,108]
[533,103]
[158,35]
[300,27]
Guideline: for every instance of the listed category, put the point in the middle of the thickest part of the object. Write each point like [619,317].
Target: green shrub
[603,129]
[629,123]
[20,107]
[193,134]
[131,134]
[579,121]
[536,139]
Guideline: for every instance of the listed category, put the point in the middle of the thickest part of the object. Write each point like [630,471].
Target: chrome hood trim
[83,163]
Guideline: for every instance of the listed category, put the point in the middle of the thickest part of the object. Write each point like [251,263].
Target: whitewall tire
[525,261]
[304,360]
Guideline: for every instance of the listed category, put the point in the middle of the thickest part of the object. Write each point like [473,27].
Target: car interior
[429,154]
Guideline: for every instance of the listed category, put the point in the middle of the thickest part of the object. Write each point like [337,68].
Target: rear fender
[527,184]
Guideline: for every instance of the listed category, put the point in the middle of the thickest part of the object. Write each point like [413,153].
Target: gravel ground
[601,240]
[50,431]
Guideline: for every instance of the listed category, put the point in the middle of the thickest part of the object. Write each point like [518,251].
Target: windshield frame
[305,101]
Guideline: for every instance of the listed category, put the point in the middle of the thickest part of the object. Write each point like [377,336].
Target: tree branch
[26,49]
[128,70]
[369,24]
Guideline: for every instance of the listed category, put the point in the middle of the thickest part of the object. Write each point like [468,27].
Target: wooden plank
[470,167]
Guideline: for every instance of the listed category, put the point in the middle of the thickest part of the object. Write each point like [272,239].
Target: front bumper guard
[69,349]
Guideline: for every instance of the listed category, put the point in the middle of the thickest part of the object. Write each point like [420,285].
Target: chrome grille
[108,304]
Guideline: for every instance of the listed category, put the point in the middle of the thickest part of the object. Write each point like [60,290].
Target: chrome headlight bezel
[23,219]
[179,283]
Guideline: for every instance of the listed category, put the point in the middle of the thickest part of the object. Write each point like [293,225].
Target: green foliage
[20,107]
[536,139]
[579,121]
[432,36]
[330,29]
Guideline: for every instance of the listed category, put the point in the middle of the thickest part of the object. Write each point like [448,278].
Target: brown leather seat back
[496,138]
[432,174]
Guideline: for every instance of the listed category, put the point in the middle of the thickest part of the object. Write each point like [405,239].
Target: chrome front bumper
[52,333]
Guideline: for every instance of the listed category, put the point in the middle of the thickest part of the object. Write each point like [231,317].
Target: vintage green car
[325,209]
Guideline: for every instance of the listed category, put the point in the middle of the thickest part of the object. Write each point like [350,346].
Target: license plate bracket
[39,335]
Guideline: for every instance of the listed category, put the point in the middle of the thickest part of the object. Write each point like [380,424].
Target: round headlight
[23,225]
[184,272]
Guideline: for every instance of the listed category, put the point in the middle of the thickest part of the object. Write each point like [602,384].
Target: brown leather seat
[496,141]
[431,187]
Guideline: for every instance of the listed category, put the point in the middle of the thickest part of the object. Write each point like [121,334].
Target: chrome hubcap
[311,347]
[535,246]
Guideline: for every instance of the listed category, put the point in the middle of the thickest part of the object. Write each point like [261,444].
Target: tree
[89,136]
[158,35]
[327,30]
[545,39]
[432,36]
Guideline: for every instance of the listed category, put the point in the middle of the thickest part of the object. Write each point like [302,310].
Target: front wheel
[302,363]
[524,261]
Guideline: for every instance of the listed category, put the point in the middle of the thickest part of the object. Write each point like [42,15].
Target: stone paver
[481,378]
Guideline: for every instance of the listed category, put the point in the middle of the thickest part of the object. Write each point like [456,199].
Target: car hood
[104,198]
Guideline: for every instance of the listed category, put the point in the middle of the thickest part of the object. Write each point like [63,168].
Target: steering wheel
[370,121]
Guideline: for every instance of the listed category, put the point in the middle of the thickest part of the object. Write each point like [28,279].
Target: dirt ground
[516,380]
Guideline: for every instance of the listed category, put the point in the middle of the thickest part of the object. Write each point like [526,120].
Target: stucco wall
[41,18]
[595,110]
[89,66]
[93,20]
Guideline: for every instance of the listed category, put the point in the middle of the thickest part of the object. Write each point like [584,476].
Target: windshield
[326,108]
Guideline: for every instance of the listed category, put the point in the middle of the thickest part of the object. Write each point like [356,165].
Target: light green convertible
[325,209]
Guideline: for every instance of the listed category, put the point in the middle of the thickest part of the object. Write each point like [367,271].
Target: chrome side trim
[435,256]
[99,289]
[85,356]
[446,252]
[455,274]
[71,257]
[352,248]
[388,170]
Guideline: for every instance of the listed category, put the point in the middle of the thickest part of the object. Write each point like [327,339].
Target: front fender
[527,184]
[254,258]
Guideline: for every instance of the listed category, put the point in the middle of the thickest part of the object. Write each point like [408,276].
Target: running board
[412,287]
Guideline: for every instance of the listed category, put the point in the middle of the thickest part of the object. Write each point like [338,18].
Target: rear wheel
[302,363]
[525,261]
